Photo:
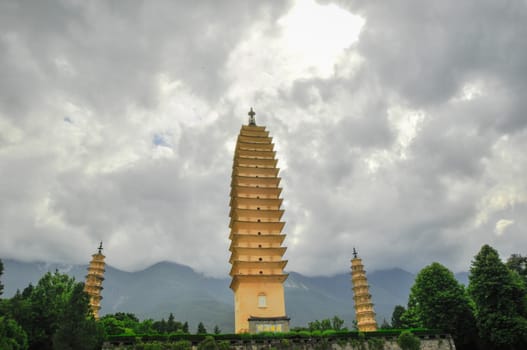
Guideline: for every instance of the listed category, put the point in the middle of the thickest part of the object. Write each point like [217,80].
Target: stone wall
[436,342]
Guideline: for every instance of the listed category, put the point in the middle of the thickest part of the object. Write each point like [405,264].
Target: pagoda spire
[94,279]
[252,120]
[256,234]
[364,313]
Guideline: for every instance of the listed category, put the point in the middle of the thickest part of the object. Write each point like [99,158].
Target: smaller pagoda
[93,284]
[364,313]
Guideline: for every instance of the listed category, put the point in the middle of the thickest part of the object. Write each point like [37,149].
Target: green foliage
[201,329]
[322,344]
[12,336]
[209,343]
[153,346]
[54,314]
[397,313]
[438,301]
[217,330]
[335,323]
[375,344]
[1,273]
[145,327]
[127,323]
[185,327]
[172,325]
[77,328]
[160,326]
[112,326]
[224,345]
[518,263]
[499,295]
[181,345]
[38,309]
[408,341]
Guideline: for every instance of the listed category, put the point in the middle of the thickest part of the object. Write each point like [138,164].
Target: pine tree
[217,329]
[201,329]
[185,328]
[171,323]
[499,295]
[1,273]
[77,329]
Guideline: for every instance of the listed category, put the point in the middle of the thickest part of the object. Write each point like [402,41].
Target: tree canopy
[398,312]
[438,301]
[77,328]
[57,301]
[499,296]
[1,273]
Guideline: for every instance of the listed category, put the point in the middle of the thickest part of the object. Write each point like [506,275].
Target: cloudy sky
[400,128]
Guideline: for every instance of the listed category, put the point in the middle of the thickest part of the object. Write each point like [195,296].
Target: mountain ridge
[167,287]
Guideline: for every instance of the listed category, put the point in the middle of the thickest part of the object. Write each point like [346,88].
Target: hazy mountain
[169,287]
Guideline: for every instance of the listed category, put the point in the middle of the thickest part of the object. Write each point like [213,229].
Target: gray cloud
[118,122]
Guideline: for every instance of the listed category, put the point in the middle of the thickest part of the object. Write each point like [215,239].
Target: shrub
[224,345]
[408,341]
[208,344]
[181,345]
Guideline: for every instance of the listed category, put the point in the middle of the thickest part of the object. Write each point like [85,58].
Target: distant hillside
[169,287]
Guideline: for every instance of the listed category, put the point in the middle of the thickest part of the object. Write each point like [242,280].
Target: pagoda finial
[251,114]
[354,253]
[100,248]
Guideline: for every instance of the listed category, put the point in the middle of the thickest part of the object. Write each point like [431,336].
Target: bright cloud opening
[317,34]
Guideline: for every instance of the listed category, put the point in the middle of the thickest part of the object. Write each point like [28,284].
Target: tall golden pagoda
[256,234]
[93,284]
[364,313]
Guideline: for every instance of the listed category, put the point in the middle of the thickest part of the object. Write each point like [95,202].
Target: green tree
[337,323]
[122,323]
[145,327]
[408,341]
[314,326]
[201,329]
[325,324]
[440,302]
[518,263]
[160,326]
[1,273]
[397,313]
[185,328]
[410,317]
[38,309]
[499,295]
[208,344]
[77,328]
[19,308]
[12,336]
[217,329]
[173,325]
[112,326]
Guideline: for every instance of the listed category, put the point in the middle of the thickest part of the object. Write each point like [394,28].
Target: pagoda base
[268,324]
